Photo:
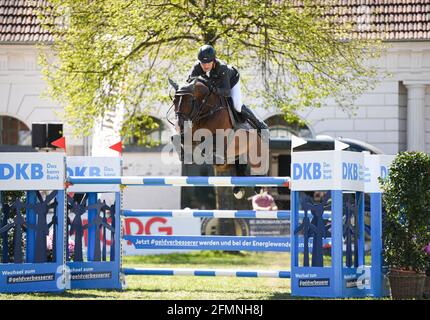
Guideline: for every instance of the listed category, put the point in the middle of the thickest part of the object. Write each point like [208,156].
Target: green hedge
[406,223]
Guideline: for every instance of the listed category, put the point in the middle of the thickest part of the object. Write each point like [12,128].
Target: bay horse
[194,103]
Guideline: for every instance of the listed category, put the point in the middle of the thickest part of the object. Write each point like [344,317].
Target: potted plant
[406,223]
[427,284]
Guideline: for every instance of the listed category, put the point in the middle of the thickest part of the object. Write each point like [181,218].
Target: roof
[19,22]
[390,20]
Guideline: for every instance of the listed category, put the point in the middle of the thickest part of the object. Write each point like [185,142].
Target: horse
[195,104]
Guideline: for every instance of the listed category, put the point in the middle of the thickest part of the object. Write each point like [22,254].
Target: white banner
[377,166]
[312,170]
[144,226]
[337,170]
[32,171]
[157,226]
[385,161]
[93,167]
[352,171]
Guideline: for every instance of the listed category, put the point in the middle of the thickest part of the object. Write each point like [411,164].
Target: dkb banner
[32,171]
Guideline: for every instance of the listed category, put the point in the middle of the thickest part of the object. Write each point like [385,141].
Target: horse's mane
[189,88]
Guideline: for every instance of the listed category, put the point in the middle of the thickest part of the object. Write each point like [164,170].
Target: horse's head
[189,100]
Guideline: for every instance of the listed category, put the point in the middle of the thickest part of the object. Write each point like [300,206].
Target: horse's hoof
[238,192]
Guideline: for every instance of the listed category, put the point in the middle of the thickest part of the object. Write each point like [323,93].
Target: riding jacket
[223,77]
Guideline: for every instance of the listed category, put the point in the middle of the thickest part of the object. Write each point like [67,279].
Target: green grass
[192,288]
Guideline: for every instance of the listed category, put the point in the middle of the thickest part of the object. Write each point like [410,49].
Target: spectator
[263,201]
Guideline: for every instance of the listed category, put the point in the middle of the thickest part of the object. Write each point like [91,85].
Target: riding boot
[247,114]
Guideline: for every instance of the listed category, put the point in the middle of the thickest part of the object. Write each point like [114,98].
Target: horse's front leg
[239,192]
[234,148]
[178,140]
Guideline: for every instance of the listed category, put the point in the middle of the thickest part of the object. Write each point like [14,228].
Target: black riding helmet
[206,54]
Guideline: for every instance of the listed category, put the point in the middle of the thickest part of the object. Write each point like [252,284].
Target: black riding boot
[247,114]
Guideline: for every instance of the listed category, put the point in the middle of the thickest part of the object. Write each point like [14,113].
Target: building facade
[393,117]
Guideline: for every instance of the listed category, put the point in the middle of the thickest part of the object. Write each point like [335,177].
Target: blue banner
[225,243]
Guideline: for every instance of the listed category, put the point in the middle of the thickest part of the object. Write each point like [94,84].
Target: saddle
[238,122]
[236,119]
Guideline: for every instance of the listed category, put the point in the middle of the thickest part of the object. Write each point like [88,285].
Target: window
[14,132]
[279,128]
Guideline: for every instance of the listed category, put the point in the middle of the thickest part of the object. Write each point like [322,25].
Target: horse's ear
[173,84]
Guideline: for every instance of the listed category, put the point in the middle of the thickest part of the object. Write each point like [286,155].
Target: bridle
[196,114]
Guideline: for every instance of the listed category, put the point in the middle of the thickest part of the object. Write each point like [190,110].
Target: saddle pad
[235,119]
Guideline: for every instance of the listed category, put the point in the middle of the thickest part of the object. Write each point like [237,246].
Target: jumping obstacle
[184,181]
[344,178]
[276,244]
[225,243]
[207,273]
[237,214]
[91,188]
[32,230]
[94,268]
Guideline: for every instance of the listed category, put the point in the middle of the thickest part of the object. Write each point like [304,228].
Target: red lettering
[167,230]
[128,223]
[128,228]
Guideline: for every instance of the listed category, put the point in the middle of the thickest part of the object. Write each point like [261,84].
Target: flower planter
[427,288]
[406,284]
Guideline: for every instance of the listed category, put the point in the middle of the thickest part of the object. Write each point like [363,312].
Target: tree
[107,51]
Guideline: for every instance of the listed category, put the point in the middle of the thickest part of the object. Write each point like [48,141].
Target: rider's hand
[212,87]
[205,80]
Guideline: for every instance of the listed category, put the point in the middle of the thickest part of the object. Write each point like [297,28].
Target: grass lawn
[191,288]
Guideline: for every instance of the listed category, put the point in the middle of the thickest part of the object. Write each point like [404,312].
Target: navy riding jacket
[223,77]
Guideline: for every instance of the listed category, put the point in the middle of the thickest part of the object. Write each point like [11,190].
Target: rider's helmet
[206,54]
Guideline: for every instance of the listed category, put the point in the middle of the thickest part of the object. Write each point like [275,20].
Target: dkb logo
[80,171]
[350,171]
[384,172]
[21,171]
[307,171]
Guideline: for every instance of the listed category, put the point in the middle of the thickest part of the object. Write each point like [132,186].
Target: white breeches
[237,97]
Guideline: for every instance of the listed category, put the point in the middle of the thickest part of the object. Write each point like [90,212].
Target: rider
[224,80]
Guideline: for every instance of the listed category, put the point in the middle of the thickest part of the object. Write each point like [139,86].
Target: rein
[196,112]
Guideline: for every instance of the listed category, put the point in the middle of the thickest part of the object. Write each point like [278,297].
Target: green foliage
[9,197]
[109,52]
[138,127]
[407,220]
